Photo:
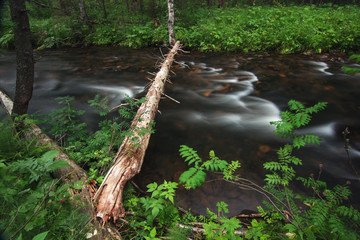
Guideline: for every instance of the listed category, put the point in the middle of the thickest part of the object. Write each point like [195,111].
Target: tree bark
[104,8]
[130,156]
[221,3]
[71,174]
[24,57]
[171,22]
[83,14]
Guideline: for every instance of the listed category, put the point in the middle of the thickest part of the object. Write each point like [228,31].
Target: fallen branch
[202,230]
[130,156]
[43,5]
[71,174]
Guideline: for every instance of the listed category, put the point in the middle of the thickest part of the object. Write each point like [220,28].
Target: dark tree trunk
[141,4]
[64,8]
[104,8]
[83,14]
[24,57]
[221,3]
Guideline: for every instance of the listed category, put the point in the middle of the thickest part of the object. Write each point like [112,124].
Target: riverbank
[281,29]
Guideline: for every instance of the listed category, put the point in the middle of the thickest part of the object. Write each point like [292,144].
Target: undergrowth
[265,28]
[94,151]
[32,204]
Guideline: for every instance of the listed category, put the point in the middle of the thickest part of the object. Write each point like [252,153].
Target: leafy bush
[353,70]
[32,204]
[95,150]
[274,28]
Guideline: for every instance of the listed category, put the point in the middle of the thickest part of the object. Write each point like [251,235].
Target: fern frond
[313,139]
[295,160]
[349,212]
[319,213]
[272,166]
[301,119]
[273,179]
[192,178]
[284,154]
[284,129]
[190,155]
[356,57]
[215,164]
[317,107]
[296,106]
[126,113]
[230,169]
[301,141]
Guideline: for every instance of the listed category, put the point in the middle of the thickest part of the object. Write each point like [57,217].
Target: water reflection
[227,102]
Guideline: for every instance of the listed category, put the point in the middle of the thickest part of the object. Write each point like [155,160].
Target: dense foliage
[32,204]
[279,27]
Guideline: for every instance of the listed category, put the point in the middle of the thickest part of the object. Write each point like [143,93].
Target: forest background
[284,26]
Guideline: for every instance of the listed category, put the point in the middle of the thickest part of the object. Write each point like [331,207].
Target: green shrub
[32,204]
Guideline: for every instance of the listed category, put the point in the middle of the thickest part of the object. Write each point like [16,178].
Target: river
[226,104]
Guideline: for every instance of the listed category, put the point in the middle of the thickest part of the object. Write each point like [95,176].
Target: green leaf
[58,164]
[152,187]
[153,232]
[193,178]
[155,211]
[20,237]
[50,155]
[78,185]
[41,236]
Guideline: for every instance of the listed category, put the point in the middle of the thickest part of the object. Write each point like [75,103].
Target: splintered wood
[130,156]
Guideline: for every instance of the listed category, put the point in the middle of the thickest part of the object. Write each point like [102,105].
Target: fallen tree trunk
[130,156]
[71,174]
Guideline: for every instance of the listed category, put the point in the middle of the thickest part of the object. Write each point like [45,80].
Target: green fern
[297,116]
[230,170]
[349,212]
[190,155]
[195,176]
[192,178]
[215,164]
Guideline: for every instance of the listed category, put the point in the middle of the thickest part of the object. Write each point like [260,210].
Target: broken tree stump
[130,156]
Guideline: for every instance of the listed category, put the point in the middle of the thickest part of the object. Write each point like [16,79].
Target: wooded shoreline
[279,28]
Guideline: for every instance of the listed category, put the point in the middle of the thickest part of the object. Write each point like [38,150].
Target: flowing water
[226,104]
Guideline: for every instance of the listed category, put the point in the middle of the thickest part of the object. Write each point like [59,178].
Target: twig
[201,230]
[181,50]
[259,189]
[118,106]
[137,187]
[36,211]
[13,219]
[44,5]
[171,98]
[87,223]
